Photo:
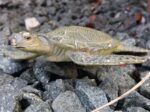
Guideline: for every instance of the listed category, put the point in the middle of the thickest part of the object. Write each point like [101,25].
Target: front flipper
[15,54]
[83,58]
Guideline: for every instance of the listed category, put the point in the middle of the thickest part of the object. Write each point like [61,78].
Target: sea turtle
[82,45]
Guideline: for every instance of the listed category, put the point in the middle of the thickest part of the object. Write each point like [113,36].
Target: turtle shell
[77,37]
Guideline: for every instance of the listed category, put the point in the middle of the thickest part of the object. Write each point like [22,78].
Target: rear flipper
[83,58]
[132,49]
[15,54]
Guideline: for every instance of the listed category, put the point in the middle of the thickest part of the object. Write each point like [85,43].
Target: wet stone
[30,89]
[28,98]
[3,37]
[91,97]
[29,76]
[67,102]
[122,36]
[7,101]
[85,81]
[135,99]
[8,91]
[145,88]
[19,83]
[31,23]
[53,89]
[135,109]
[5,79]
[11,67]
[4,2]
[148,44]
[129,42]
[45,70]
[115,79]
[42,71]
[40,107]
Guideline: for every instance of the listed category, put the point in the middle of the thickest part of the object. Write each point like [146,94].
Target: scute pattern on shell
[77,37]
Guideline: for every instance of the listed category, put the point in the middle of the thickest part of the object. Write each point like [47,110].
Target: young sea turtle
[83,46]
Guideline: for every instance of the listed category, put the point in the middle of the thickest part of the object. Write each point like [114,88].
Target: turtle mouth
[19,47]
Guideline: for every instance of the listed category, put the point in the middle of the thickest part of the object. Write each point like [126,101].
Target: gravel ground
[42,86]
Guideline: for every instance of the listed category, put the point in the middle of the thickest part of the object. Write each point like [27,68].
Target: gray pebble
[11,67]
[40,107]
[53,89]
[115,79]
[91,97]
[135,109]
[135,99]
[8,91]
[67,102]
[145,88]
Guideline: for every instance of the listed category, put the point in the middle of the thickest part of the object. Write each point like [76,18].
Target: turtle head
[29,42]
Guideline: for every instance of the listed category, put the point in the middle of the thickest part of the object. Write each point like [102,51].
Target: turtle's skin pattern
[81,45]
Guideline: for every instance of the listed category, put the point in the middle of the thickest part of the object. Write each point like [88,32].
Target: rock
[28,96]
[148,44]
[126,39]
[45,70]
[11,67]
[135,109]
[3,39]
[40,107]
[135,99]
[16,82]
[19,83]
[42,71]
[91,97]
[70,70]
[7,31]
[39,2]
[67,102]
[91,71]
[129,42]
[122,36]
[8,91]
[115,79]
[29,76]
[53,89]
[145,88]
[13,2]
[7,101]
[31,23]
[30,89]
[4,2]
[5,79]
[85,81]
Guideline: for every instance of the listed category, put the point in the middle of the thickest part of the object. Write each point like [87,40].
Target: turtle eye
[27,37]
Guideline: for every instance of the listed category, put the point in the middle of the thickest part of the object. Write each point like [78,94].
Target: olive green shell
[77,37]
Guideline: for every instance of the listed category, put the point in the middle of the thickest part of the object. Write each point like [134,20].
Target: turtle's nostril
[13,42]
